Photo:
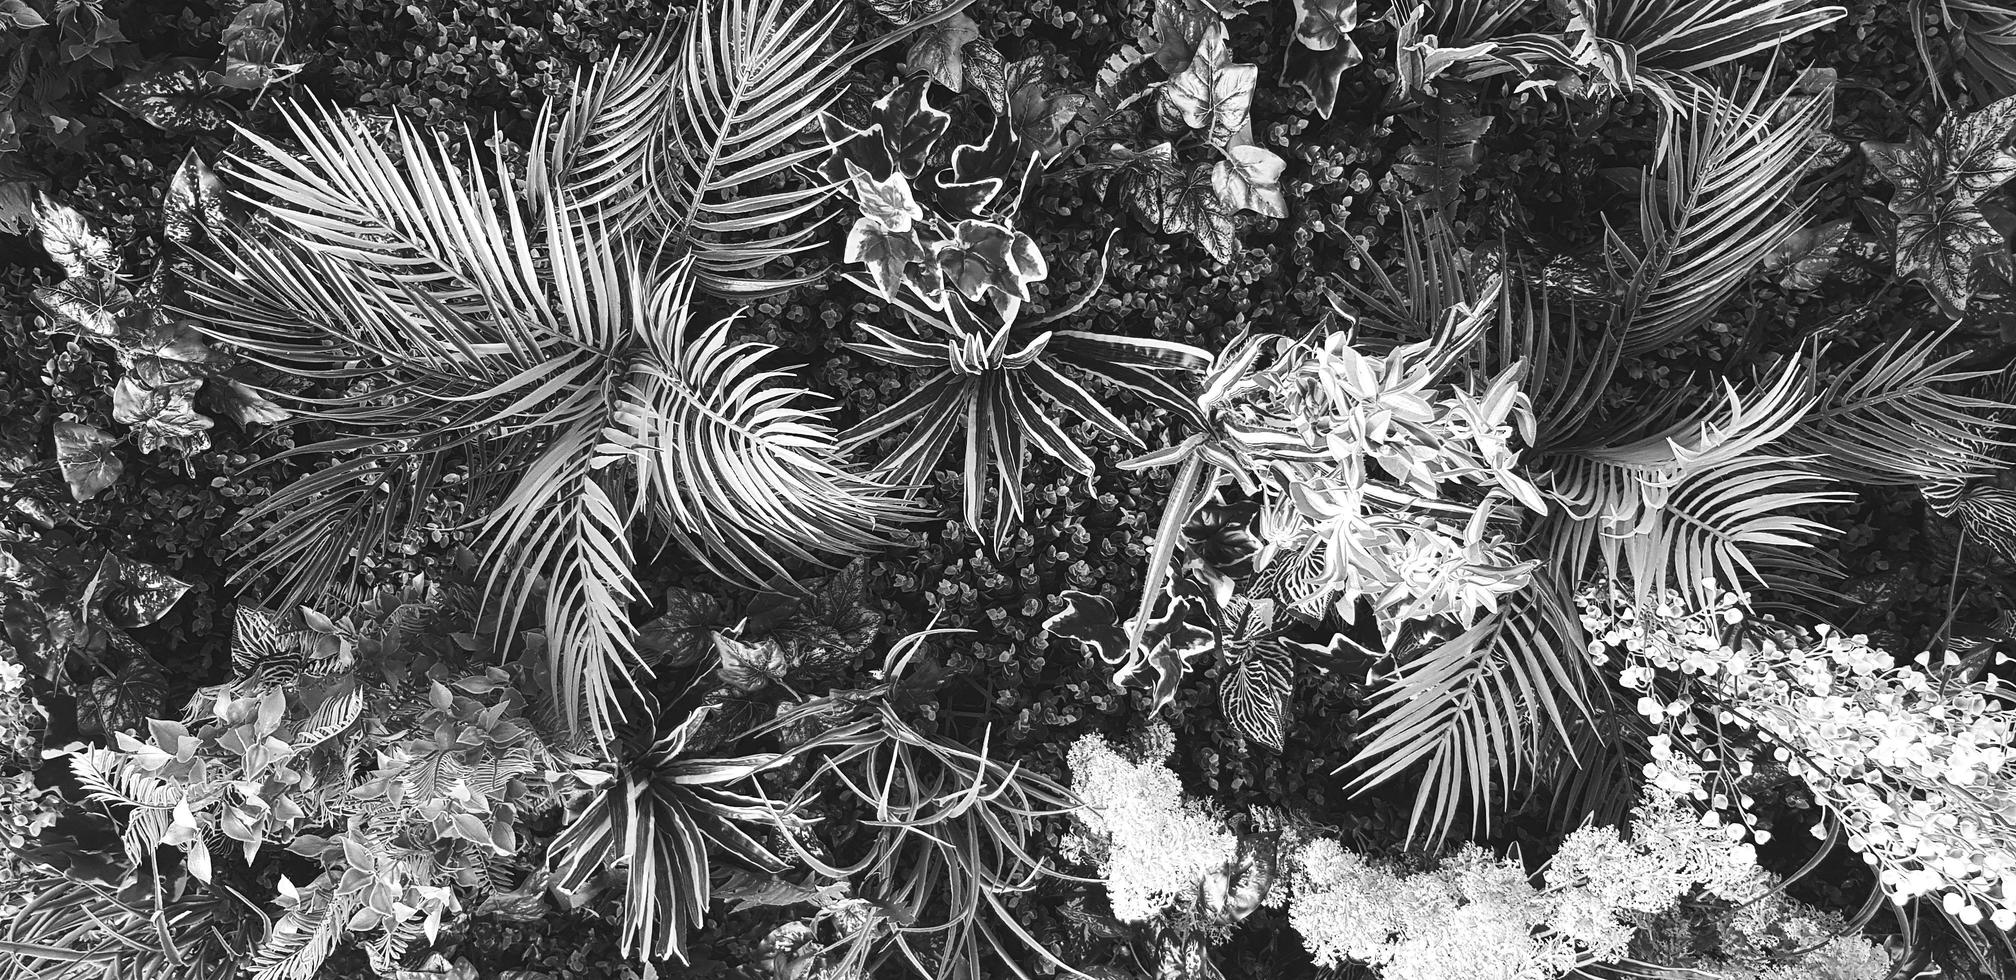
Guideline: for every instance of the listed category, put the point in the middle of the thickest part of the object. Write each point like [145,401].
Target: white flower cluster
[1157,846]
[1919,768]
[1476,918]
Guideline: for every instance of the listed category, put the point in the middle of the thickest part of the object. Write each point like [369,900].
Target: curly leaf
[1213,93]
[85,454]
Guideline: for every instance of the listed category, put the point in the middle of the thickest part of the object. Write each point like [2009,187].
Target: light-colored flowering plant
[1917,766]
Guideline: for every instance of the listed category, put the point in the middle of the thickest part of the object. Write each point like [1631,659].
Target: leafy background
[481,59]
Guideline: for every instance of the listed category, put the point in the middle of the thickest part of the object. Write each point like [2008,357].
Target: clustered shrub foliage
[855,488]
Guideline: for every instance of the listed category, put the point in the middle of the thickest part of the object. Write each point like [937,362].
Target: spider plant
[539,362]
[955,836]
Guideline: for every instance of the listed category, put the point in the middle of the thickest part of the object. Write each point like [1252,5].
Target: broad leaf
[1042,110]
[887,200]
[85,454]
[685,633]
[73,244]
[1975,154]
[1323,50]
[1179,201]
[95,305]
[252,44]
[21,16]
[195,200]
[1909,167]
[983,255]
[1805,259]
[132,593]
[163,415]
[174,97]
[1939,249]
[939,50]
[1249,178]
[166,353]
[1213,93]
[1180,26]
[886,253]
[123,701]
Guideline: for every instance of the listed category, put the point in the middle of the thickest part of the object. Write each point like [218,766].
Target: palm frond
[1893,418]
[1724,194]
[1473,712]
[1695,35]
[1694,500]
[679,140]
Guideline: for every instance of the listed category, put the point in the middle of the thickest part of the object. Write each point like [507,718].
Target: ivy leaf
[165,353]
[983,255]
[1179,27]
[685,633]
[84,452]
[73,243]
[1213,93]
[173,97]
[1184,201]
[195,200]
[163,415]
[1323,50]
[939,50]
[1255,688]
[1975,154]
[1249,178]
[95,305]
[1939,249]
[979,171]
[1091,622]
[1041,111]
[132,593]
[1908,167]
[887,200]
[750,666]
[1806,257]
[886,253]
[903,132]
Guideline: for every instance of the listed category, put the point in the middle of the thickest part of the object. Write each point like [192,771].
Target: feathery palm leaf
[540,355]
[1891,418]
[1693,500]
[1723,195]
[1695,35]
[1472,711]
[678,140]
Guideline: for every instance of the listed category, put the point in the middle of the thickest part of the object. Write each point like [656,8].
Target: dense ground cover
[1470,338]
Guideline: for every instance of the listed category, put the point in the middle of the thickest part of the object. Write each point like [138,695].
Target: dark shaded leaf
[123,701]
[685,633]
[132,593]
[245,405]
[939,50]
[747,889]
[750,666]
[1804,261]
[1092,622]
[173,97]
[1909,168]
[252,44]
[1448,150]
[85,455]
[1180,26]
[984,255]
[1042,111]
[195,200]
[1180,201]
[21,16]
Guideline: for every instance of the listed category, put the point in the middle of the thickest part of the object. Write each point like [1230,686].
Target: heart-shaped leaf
[164,353]
[175,97]
[163,415]
[887,200]
[129,593]
[1213,93]
[195,200]
[984,255]
[73,244]
[95,305]
[886,253]
[84,452]
[123,701]
[1180,201]
[1940,248]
